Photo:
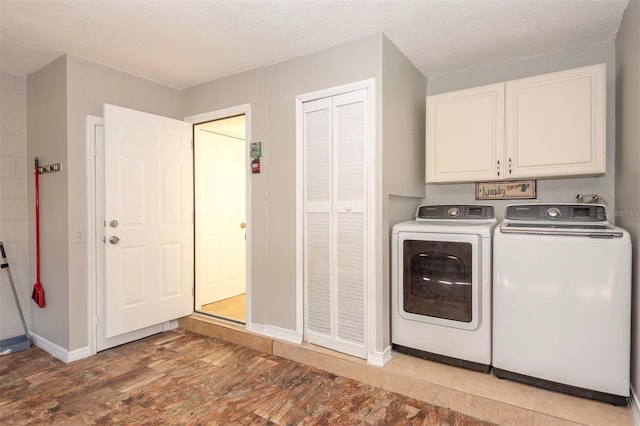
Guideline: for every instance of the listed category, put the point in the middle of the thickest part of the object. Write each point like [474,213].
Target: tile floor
[233,308]
[179,377]
[479,395]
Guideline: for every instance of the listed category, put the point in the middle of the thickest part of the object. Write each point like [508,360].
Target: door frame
[92,266]
[374,205]
[244,109]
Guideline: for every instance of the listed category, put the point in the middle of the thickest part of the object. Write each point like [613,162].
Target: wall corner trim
[59,352]
[634,406]
[379,359]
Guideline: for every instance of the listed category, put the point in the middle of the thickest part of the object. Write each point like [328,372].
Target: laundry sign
[515,190]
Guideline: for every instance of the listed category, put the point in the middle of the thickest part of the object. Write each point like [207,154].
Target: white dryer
[441,285]
[562,300]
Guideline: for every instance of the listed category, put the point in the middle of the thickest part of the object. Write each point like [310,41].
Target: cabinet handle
[509,165]
[498,168]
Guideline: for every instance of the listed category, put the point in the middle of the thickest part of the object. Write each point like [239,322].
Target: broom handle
[36,172]
[5,264]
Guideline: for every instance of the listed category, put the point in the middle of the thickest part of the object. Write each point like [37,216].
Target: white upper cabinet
[545,126]
[465,134]
[555,124]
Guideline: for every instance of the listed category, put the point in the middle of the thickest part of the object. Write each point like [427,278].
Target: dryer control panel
[556,212]
[457,211]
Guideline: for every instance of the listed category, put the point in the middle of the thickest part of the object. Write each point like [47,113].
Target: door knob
[114,240]
[243,225]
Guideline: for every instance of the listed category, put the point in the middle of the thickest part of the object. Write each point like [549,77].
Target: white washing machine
[562,300]
[441,285]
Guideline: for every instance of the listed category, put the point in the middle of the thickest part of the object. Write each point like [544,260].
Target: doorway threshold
[227,331]
[221,318]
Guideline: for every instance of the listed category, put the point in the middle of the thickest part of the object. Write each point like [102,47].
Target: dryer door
[440,279]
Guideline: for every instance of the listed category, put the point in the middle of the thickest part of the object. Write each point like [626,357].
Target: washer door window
[440,279]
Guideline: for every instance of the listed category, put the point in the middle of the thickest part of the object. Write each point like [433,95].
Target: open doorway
[220,186]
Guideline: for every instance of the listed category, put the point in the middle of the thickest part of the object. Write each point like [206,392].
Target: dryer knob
[553,213]
[453,211]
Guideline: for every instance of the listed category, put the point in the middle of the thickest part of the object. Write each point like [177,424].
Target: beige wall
[240,89]
[549,190]
[627,159]
[47,140]
[59,97]
[402,180]
[272,92]
[284,82]
[89,86]
[13,203]
[64,92]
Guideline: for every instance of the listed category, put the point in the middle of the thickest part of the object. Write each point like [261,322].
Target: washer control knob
[553,213]
[453,211]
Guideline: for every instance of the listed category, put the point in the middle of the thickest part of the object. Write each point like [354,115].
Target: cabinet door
[556,124]
[465,135]
[335,145]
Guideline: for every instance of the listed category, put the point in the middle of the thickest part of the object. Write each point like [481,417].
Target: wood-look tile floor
[179,377]
[233,308]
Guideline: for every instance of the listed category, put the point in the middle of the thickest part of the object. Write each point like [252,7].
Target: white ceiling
[182,43]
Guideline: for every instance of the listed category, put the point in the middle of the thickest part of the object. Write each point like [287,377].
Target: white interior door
[220,188]
[148,220]
[103,342]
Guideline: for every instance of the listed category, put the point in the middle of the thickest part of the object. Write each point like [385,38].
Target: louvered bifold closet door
[335,222]
[317,219]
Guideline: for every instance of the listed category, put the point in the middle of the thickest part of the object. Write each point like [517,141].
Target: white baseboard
[77,354]
[634,406]
[275,332]
[256,328]
[283,334]
[59,352]
[379,359]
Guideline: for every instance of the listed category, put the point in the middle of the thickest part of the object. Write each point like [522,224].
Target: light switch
[79,236]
